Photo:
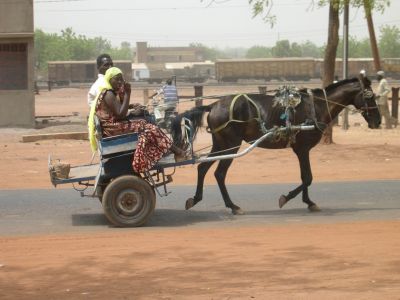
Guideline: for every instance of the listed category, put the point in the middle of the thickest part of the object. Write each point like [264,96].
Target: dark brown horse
[252,113]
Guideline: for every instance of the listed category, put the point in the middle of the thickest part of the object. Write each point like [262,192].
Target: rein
[359,110]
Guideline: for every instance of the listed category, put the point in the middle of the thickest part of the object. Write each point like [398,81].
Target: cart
[128,198]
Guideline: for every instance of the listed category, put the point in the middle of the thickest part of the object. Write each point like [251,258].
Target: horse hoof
[282,201]
[314,208]
[237,211]
[189,203]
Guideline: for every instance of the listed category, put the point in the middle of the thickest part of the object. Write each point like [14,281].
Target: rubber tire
[144,195]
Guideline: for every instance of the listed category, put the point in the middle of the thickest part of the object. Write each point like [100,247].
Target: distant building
[151,62]
[162,55]
[140,72]
[17,98]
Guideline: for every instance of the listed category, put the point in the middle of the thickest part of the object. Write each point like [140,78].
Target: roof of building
[139,66]
[265,59]
[83,61]
[182,65]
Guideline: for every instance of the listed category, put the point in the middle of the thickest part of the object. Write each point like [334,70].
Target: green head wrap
[106,85]
[110,73]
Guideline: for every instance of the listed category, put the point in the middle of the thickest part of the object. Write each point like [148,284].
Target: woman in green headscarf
[111,107]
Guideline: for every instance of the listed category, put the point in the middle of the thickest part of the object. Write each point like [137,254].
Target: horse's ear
[365,80]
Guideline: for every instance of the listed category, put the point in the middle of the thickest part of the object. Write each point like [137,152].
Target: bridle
[366,95]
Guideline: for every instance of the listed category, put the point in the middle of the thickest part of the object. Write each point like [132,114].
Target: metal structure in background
[198,92]
[395,102]
[345,125]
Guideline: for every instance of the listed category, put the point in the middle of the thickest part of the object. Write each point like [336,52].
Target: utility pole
[345,125]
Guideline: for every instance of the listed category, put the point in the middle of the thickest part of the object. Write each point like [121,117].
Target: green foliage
[263,8]
[124,52]
[69,46]
[309,49]
[208,53]
[357,48]
[286,49]
[389,42]
[259,52]
[281,49]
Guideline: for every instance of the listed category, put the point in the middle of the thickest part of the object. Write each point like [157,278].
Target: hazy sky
[225,23]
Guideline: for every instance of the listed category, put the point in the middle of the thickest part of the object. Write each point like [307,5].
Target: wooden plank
[51,136]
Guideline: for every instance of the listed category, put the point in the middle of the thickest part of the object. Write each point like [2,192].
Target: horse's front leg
[306,179]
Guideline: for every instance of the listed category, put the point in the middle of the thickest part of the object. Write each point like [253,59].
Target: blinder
[367,95]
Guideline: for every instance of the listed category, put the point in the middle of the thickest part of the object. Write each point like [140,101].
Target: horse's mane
[343,82]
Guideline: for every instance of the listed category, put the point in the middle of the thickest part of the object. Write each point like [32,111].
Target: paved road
[27,212]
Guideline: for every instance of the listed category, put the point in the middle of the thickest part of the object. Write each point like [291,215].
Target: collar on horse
[231,119]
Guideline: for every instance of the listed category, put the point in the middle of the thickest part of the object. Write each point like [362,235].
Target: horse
[237,118]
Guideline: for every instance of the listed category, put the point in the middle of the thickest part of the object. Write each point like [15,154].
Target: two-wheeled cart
[128,198]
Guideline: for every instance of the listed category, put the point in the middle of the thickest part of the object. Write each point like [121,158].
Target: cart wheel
[128,201]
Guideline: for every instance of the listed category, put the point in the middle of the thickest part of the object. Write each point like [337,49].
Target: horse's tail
[195,115]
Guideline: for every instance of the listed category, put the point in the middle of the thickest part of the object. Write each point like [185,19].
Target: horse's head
[365,101]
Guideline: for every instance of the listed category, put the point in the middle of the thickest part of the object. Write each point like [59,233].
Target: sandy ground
[356,260]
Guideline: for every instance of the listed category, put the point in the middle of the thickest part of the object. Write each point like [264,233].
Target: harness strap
[311,105]
[327,104]
[231,119]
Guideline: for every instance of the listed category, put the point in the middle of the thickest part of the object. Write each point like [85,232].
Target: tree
[125,51]
[70,46]
[281,49]
[263,7]
[258,52]
[374,46]
[357,48]
[296,50]
[309,49]
[389,42]
[208,53]
[330,58]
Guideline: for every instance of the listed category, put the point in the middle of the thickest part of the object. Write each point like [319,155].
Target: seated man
[104,62]
[112,114]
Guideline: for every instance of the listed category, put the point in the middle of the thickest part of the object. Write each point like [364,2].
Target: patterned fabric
[152,144]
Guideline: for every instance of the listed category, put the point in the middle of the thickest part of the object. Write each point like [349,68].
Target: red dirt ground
[330,261]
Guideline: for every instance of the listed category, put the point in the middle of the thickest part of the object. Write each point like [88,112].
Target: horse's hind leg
[220,175]
[306,178]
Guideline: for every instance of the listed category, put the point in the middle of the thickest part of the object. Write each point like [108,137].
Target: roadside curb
[50,136]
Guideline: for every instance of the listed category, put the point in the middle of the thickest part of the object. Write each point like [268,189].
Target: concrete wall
[141,52]
[16,16]
[16,24]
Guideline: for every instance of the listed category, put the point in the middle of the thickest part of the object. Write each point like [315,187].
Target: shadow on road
[180,218]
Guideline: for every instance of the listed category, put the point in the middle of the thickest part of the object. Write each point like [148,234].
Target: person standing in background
[169,95]
[104,62]
[382,99]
